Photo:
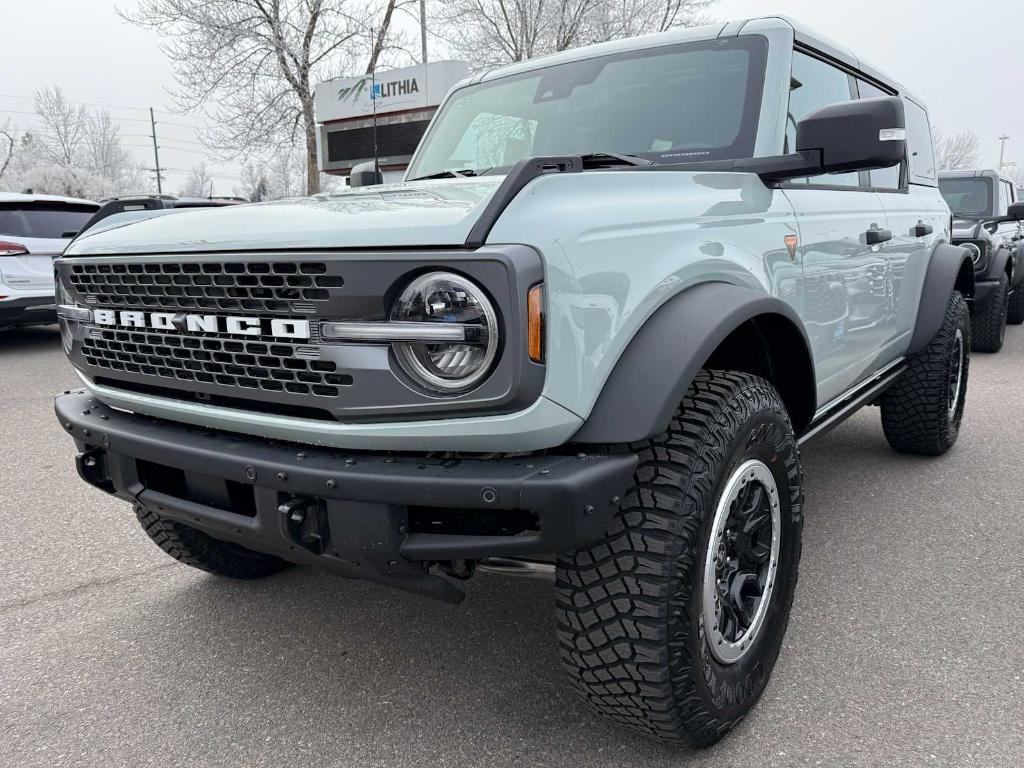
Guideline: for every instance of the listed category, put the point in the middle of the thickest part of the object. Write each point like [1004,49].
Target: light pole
[1002,149]
[423,30]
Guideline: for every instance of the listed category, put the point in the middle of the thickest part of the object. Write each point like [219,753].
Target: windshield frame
[744,146]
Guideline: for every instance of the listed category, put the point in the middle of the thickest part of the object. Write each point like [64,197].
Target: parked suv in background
[620,287]
[987,221]
[32,235]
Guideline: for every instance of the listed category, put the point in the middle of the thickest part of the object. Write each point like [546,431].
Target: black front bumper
[34,310]
[369,515]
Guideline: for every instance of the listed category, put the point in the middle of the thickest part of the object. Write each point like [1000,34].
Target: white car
[33,232]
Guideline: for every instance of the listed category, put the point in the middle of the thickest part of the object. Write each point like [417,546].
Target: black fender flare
[950,268]
[998,265]
[658,365]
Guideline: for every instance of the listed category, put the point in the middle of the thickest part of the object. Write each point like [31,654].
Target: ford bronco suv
[987,222]
[618,289]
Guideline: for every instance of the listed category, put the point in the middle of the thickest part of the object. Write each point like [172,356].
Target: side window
[1005,197]
[919,145]
[813,85]
[882,178]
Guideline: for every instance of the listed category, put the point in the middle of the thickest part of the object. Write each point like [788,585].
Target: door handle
[877,236]
[921,229]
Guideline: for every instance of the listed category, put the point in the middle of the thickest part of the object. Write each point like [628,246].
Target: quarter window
[813,85]
[919,145]
[881,178]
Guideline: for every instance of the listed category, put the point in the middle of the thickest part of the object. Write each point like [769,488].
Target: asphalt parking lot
[904,647]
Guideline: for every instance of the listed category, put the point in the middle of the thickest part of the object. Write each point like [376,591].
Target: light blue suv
[586,337]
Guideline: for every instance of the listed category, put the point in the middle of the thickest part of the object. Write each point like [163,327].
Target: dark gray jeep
[987,221]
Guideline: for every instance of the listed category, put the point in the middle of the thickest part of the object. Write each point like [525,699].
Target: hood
[421,213]
[969,229]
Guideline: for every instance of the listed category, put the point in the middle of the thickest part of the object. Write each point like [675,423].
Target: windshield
[43,220]
[969,197]
[696,101]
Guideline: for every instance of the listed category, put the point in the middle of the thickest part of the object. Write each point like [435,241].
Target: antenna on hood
[373,103]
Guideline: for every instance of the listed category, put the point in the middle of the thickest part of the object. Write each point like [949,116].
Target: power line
[170,149]
[94,104]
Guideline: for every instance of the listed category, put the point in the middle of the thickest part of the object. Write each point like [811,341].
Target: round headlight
[974,250]
[446,298]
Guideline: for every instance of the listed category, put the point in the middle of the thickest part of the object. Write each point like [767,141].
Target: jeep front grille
[259,286]
[271,367]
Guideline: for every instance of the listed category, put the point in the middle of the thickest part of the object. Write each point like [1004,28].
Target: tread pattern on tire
[193,547]
[988,327]
[1015,312]
[622,604]
[915,410]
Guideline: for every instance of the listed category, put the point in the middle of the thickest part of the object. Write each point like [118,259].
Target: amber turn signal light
[535,322]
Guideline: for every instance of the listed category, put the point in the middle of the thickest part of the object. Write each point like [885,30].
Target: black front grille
[250,365]
[274,287]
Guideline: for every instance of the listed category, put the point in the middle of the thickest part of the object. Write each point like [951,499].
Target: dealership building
[405,100]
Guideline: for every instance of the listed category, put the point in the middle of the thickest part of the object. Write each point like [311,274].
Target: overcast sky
[965,59]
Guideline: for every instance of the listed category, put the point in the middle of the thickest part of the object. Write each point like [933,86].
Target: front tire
[200,550]
[922,411]
[1015,312]
[671,624]
[988,329]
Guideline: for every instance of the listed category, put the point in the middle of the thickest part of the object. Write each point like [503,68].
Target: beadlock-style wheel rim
[956,373]
[741,563]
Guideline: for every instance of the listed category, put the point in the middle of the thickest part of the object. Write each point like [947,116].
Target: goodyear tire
[989,325]
[1015,312]
[671,624]
[922,411]
[193,547]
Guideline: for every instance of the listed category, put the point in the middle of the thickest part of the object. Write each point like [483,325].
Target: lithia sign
[394,90]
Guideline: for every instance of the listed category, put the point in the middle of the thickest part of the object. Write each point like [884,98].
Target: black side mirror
[1015,212]
[69,233]
[855,135]
[365,175]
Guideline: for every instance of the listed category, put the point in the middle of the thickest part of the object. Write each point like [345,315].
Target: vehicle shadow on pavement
[482,678]
[20,340]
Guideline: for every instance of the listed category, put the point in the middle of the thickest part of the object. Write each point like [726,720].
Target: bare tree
[199,182]
[495,32]
[65,126]
[960,151]
[255,186]
[7,145]
[255,63]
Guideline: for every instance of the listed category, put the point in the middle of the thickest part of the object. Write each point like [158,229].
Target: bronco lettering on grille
[183,322]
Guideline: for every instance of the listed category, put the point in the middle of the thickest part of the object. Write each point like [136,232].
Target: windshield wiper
[606,159]
[450,173]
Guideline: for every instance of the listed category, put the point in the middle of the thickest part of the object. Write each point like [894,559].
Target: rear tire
[922,411]
[641,639]
[1015,311]
[200,550]
[988,328]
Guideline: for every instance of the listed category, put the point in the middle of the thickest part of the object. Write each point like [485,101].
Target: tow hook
[92,467]
[305,520]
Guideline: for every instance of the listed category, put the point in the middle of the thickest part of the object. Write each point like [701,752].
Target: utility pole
[156,155]
[1002,149]
[423,30]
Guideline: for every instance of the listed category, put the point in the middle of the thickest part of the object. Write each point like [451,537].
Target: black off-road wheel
[671,624]
[922,411]
[1015,311]
[193,547]
[988,328]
